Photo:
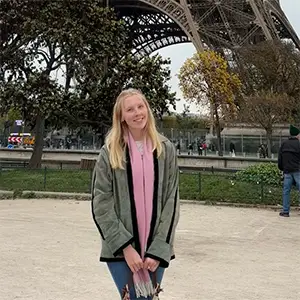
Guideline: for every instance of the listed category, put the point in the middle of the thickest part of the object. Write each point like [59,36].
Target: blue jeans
[288,181]
[121,275]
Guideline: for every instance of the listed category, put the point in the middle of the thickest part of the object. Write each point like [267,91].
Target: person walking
[178,147]
[199,147]
[190,149]
[289,164]
[232,149]
[135,199]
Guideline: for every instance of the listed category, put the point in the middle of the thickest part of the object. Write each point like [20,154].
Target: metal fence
[206,186]
[245,145]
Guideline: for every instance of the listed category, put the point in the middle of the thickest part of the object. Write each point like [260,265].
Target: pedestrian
[190,149]
[178,147]
[289,163]
[232,149]
[262,151]
[199,148]
[135,200]
[204,147]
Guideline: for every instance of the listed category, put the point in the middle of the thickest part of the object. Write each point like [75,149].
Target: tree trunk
[218,131]
[36,157]
[211,127]
[269,142]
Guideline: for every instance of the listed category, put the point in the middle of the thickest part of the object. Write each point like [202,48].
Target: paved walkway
[49,251]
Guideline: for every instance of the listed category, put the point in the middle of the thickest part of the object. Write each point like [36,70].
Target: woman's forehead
[132,100]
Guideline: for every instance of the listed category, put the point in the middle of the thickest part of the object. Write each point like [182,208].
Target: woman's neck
[138,135]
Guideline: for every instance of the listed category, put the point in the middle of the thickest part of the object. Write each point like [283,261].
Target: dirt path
[49,251]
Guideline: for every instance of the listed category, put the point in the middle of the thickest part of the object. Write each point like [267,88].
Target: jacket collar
[162,138]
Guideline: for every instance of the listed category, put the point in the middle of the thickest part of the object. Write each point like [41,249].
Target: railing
[205,185]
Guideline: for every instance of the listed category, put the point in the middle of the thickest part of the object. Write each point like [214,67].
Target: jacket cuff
[118,242]
[160,250]
[120,250]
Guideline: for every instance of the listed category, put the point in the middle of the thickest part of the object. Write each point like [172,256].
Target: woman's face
[134,113]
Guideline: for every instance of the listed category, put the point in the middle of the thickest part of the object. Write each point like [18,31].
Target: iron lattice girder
[217,23]
[279,21]
[150,29]
[226,23]
[241,21]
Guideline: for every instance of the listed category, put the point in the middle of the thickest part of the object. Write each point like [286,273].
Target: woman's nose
[136,111]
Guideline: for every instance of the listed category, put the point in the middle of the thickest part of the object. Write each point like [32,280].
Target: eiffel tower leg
[179,11]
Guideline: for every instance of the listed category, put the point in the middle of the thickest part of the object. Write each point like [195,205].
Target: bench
[13,164]
[87,164]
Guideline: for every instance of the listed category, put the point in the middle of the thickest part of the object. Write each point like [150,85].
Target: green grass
[193,186]
[225,188]
[77,181]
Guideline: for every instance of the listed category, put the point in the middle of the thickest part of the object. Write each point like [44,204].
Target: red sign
[14,139]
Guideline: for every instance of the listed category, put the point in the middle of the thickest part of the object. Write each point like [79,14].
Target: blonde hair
[115,138]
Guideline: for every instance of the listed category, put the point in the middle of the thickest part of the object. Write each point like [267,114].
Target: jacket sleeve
[280,163]
[161,246]
[111,228]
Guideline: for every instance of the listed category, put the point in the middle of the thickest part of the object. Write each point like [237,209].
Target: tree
[271,85]
[150,75]
[266,109]
[206,80]
[88,45]
[49,36]
[36,97]
[272,66]
[187,121]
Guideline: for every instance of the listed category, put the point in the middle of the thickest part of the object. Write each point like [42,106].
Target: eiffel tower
[216,24]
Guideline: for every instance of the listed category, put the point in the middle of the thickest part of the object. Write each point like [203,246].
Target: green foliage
[89,46]
[64,63]
[37,94]
[43,37]
[150,75]
[265,172]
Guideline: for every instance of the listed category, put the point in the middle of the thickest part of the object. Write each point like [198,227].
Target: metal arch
[220,23]
[146,39]
[273,8]
[181,15]
[292,34]
[153,30]
[151,46]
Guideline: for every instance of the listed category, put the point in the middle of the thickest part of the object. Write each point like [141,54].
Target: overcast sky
[179,53]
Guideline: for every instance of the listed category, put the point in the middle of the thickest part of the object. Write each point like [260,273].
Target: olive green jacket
[114,212]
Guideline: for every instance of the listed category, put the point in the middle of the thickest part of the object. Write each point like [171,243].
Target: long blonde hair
[115,137]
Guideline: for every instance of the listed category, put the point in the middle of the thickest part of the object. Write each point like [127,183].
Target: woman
[135,201]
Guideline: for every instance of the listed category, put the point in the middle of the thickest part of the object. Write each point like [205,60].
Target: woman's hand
[133,259]
[151,264]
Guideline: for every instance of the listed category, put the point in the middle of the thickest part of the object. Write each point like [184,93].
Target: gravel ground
[49,250]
